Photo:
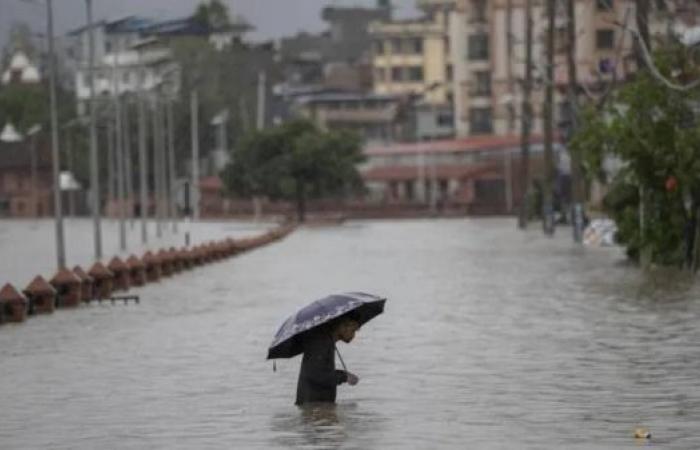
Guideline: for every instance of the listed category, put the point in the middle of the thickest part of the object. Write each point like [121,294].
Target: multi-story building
[488,56]
[377,118]
[412,57]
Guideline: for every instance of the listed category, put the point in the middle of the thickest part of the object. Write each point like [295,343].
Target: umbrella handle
[340,357]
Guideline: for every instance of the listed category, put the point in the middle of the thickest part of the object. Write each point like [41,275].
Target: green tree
[655,197]
[295,161]
[214,14]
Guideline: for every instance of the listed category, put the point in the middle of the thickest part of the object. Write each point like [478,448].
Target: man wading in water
[318,378]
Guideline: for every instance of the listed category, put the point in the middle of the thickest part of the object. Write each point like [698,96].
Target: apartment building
[488,56]
[412,57]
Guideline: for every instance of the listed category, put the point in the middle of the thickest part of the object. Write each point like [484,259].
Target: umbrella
[360,306]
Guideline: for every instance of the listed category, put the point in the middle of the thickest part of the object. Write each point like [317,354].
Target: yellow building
[413,56]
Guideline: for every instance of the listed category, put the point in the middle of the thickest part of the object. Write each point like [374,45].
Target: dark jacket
[318,378]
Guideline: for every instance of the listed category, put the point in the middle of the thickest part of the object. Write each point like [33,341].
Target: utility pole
[262,86]
[55,155]
[548,185]
[157,166]
[526,119]
[94,168]
[119,149]
[111,181]
[71,167]
[577,194]
[194,198]
[171,164]
[143,168]
[119,128]
[128,164]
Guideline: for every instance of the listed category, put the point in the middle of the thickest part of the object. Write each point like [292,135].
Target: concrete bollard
[68,288]
[120,271]
[166,263]
[186,258]
[13,305]
[103,280]
[153,267]
[86,284]
[41,296]
[137,270]
[175,260]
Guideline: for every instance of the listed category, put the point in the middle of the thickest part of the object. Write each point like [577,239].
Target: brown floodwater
[491,339]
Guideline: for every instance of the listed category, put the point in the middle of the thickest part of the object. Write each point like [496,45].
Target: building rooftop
[464,145]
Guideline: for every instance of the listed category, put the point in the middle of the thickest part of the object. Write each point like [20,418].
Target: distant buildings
[20,70]
[377,118]
[488,56]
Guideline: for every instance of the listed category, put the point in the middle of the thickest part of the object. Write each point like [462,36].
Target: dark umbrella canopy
[362,307]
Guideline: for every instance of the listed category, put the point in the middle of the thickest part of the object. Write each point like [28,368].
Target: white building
[20,70]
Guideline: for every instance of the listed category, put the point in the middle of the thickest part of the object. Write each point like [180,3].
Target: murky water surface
[491,339]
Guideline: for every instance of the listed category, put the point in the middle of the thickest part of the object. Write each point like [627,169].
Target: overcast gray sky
[272,18]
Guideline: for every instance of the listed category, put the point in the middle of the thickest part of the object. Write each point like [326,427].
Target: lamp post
[58,212]
[94,169]
[33,131]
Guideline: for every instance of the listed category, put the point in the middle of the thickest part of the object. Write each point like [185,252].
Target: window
[480,120]
[415,73]
[410,194]
[482,83]
[479,10]
[396,45]
[378,47]
[445,119]
[396,74]
[416,45]
[605,39]
[604,5]
[380,74]
[478,45]
[449,74]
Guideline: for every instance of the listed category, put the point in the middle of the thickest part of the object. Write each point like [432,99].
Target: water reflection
[491,339]
[326,426]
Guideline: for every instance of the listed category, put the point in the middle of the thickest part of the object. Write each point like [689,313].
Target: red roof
[471,144]
[405,173]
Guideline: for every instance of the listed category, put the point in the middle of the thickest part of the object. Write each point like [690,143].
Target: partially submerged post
[68,288]
[137,270]
[103,281]
[120,272]
[153,266]
[13,305]
[165,262]
[41,296]
[86,284]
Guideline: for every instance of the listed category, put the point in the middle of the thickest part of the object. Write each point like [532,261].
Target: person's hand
[352,379]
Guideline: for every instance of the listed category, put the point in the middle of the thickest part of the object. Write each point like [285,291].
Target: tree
[213,14]
[655,197]
[295,161]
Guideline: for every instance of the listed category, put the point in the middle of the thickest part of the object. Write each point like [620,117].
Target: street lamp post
[58,212]
[94,169]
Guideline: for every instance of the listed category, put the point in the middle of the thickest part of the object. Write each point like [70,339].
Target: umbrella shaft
[340,357]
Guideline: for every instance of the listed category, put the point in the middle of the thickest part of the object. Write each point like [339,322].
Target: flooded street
[491,339]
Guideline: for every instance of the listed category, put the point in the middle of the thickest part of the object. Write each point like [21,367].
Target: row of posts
[71,288]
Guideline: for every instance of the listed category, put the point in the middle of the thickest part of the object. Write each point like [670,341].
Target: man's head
[345,329]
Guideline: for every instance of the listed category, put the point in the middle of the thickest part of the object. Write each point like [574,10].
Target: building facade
[479,175]
[488,55]
[376,118]
[412,57]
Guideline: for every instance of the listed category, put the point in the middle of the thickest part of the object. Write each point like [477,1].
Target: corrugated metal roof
[465,145]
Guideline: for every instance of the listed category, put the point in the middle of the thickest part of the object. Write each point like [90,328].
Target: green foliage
[24,105]
[295,161]
[214,14]
[653,130]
